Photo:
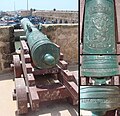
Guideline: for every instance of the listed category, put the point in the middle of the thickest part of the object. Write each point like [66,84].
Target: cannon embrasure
[99,59]
[40,72]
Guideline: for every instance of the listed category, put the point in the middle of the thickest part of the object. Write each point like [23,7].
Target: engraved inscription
[109,100]
[98,34]
[99,8]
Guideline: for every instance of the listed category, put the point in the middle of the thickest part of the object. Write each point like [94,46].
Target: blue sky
[8,5]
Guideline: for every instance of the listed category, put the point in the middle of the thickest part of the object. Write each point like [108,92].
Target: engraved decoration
[99,40]
[99,27]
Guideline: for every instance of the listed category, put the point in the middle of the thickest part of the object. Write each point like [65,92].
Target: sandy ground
[8,106]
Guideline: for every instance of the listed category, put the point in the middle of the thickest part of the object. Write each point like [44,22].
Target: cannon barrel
[99,99]
[99,45]
[44,53]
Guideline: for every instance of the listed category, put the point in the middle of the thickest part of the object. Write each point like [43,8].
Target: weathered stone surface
[66,36]
[6,46]
[0,62]
[6,34]
[6,57]
[4,65]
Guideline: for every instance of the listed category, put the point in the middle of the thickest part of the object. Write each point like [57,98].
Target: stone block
[7,57]
[19,32]
[6,34]
[6,47]
[5,64]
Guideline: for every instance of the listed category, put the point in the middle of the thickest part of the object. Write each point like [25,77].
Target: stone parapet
[6,46]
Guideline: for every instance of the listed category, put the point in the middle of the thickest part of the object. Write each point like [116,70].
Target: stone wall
[69,16]
[66,36]
[6,46]
[25,13]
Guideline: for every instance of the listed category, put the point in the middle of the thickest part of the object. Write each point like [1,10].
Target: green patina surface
[99,99]
[99,27]
[99,38]
[99,59]
[45,54]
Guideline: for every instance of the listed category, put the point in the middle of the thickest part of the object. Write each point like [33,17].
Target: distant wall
[69,16]
[25,13]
